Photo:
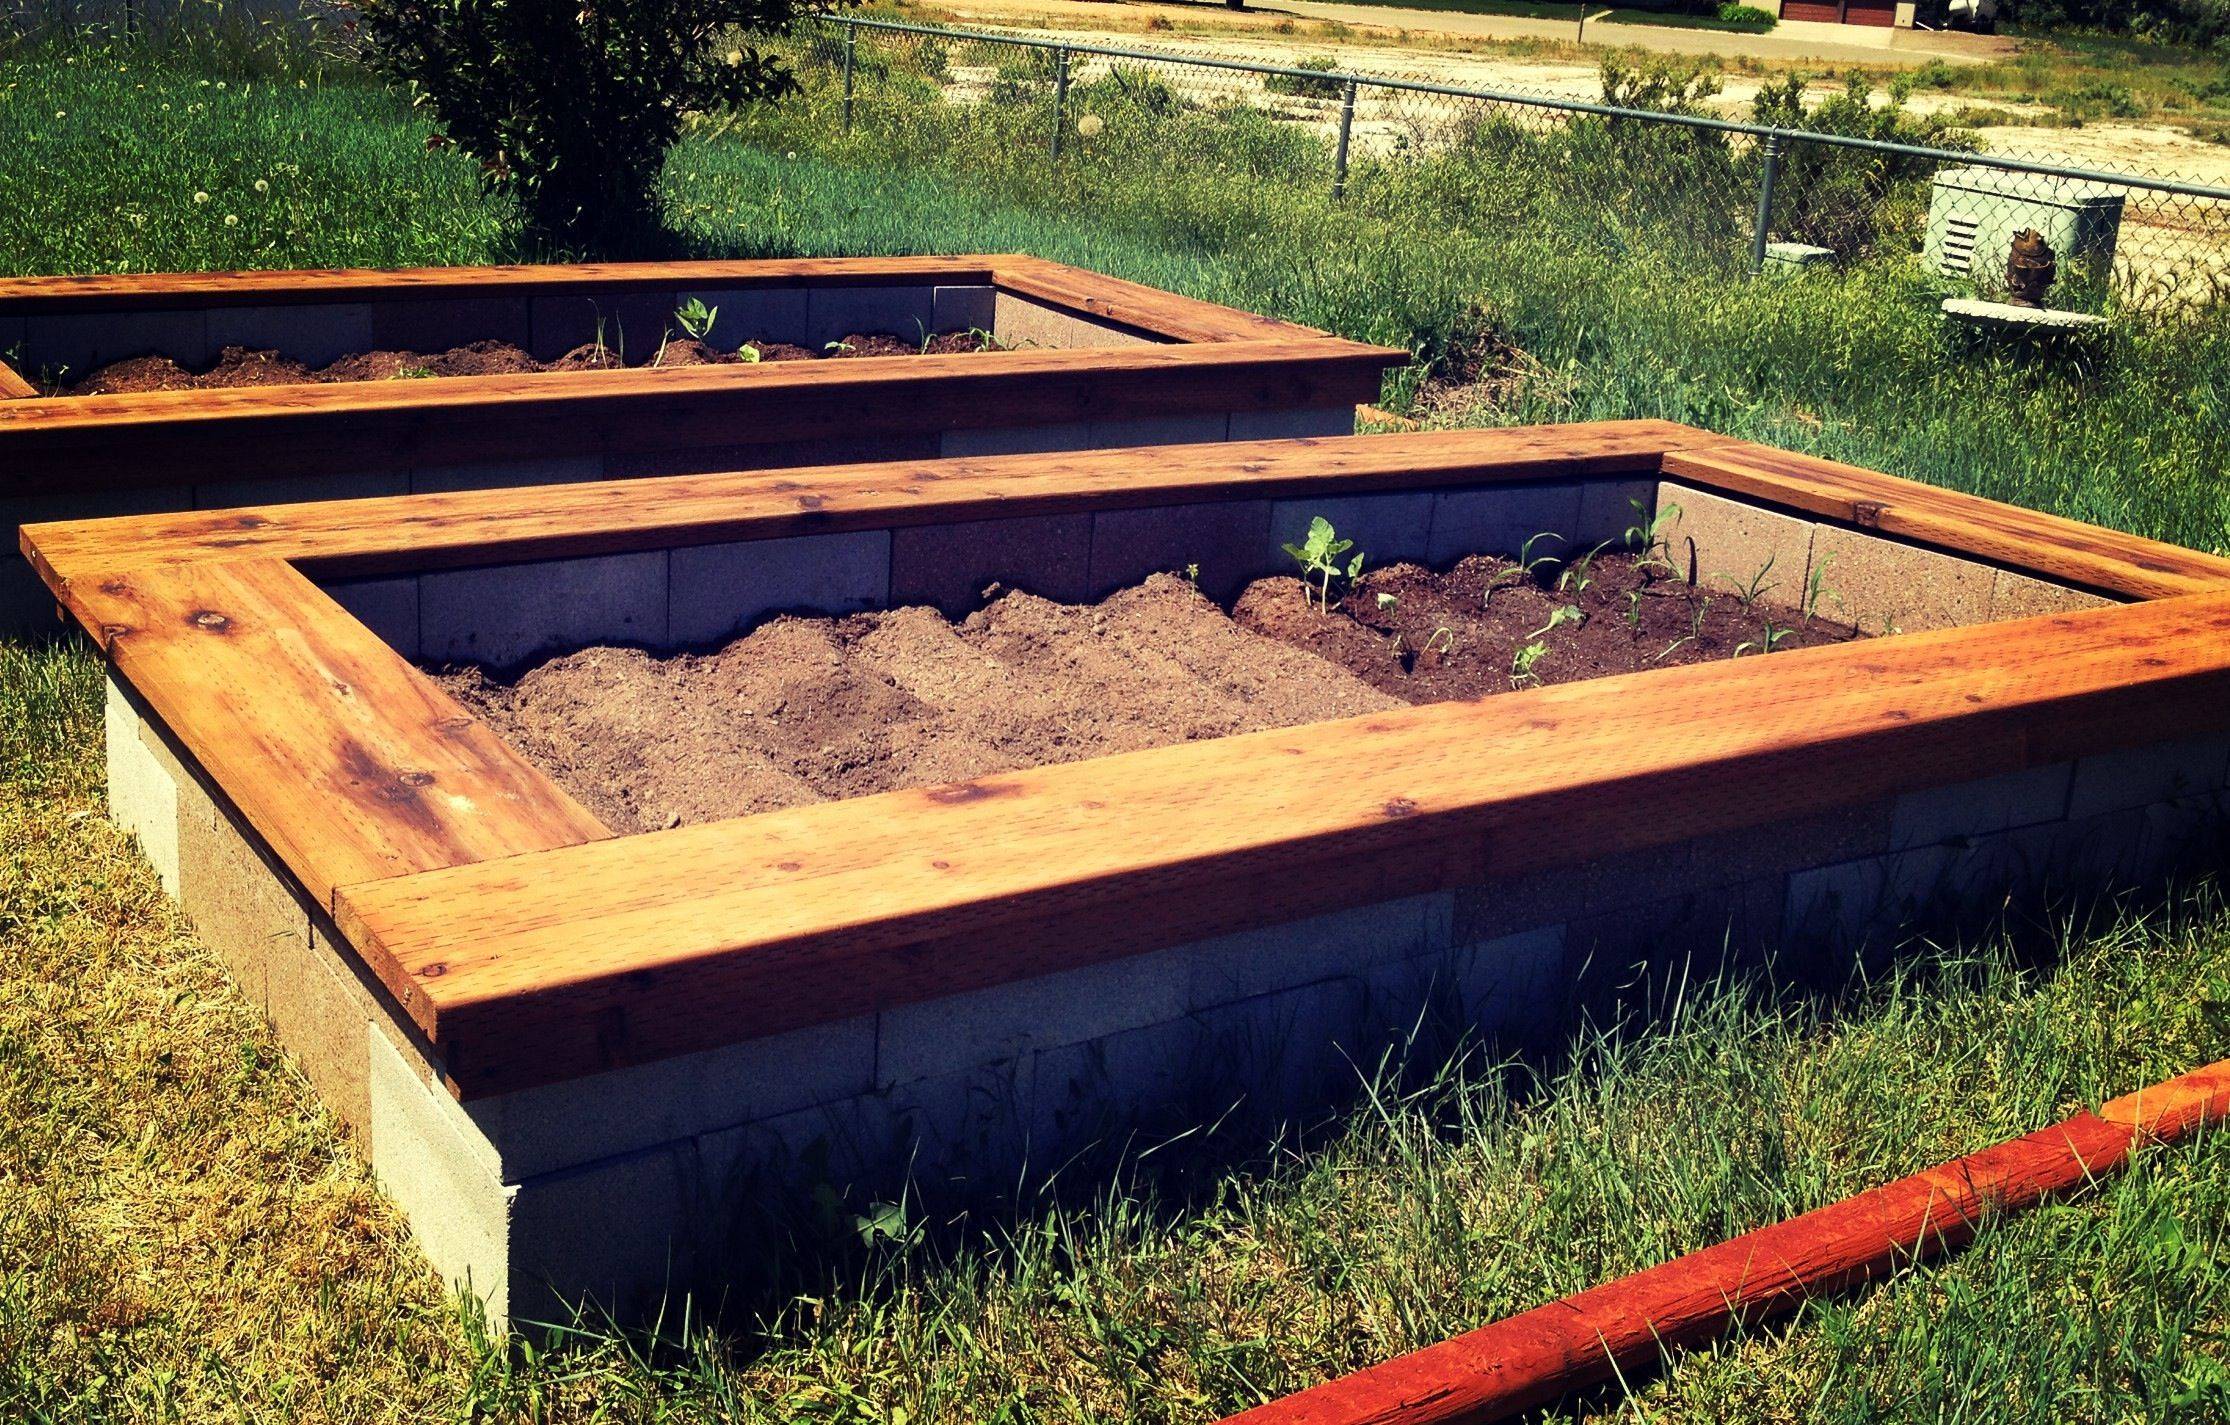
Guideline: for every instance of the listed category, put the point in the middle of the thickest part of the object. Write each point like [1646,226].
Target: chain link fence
[1643,168]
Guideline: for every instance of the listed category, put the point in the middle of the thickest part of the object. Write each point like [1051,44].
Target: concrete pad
[2015,596]
[388,607]
[1308,423]
[833,313]
[949,566]
[720,590]
[751,314]
[1387,529]
[1017,440]
[1881,585]
[1500,520]
[503,616]
[313,333]
[1729,545]
[1229,543]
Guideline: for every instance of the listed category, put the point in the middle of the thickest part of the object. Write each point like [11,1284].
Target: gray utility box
[1974,213]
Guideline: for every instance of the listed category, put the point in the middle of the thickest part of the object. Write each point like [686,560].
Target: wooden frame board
[1199,358]
[584,951]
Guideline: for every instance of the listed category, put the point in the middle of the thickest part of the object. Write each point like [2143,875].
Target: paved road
[1789,42]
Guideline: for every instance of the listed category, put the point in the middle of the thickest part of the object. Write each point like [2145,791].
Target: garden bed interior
[362,384]
[1077,820]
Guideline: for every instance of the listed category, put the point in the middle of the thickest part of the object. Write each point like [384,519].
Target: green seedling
[1579,575]
[414,373]
[1633,614]
[985,341]
[1528,566]
[695,318]
[1525,661]
[749,355]
[1387,603]
[1695,630]
[1766,642]
[1646,536]
[1815,588]
[1319,557]
[1755,589]
[838,346]
[1563,614]
[1442,642]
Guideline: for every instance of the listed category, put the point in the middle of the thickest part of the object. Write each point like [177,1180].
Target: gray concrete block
[949,566]
[300,489]
[1610,508]
[1978,808]
[2159,772]
[432,324]
[1199,428]
[955,1032]
[142,792]
[849,1145]
[1229,542]
[1500,520]
[1344,942]
[1732,546]
[2015,596]
[563,1125]
[961,309]
[388,607]
[11,341]
[1021,323]
[720,590]
[970,1126]
[428,1163]
[746,314]
[503,616]
[1387,529]
[243,904]
[629,323]
[314,333]
[1880,585]
[615,1234]
[1100,1089]
[505,474]
[75,346]
[1514,983]
[1308,423]
[1017,440]
[833,313]
[1293,1048]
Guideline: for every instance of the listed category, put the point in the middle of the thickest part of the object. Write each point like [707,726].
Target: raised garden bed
[946,356]
[571,1045]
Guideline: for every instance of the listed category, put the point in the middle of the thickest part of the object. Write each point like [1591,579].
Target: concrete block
[1609,508]
[955,1032]
[1881,585]
[142,792]
[74,347]
[434,324]
[1344,942]
[1017,440]
[962,309]
[949,566]
[427,1163]
[1194,429]
[11,341]
[745,314]
[616,1234]
[243,904]
[1730,545]
[1694,933]
[1228,541]
[833,313]
[1979,808]
[27,610]
[1308,423]
[1514,984]
[506,615]
[1021,323]
[388,607]
[2015,596]
[1293,1049]
[1834,910]
[1103,1089]
[849,1146]
[1387,529]
[505,474]
[967,1127]
[558,1126]
[1792,844]
[720,590]
[2137,776]
[629,323]
[1508,905]
[300,489]
[314,333]
[1500,520]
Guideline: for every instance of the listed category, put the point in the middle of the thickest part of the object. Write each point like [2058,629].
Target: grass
[185,1236]
[2086,78]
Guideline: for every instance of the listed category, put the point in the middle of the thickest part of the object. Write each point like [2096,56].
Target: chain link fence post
[851,47]
[1768,179]
[1347,127]
[1060,98]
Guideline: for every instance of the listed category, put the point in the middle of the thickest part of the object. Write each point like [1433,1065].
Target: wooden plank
[12,385]
[350,762]
[357,537]
[2101,559]
[1146,309]
[166,436]
[579,959]
[162,291]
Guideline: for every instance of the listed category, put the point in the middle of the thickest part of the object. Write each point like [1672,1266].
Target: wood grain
[12,385]
[360,537]
[607,953]
[163,437]
[1145,309]
[348,761]
[2100,559]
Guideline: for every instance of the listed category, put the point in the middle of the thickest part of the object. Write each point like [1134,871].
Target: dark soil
[241,366]
[817,709]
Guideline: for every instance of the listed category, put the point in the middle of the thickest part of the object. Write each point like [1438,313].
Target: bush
[1304,86]
[1852,199]
[571,106]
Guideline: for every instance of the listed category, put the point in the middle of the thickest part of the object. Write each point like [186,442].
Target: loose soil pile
[817,709]
[241,366]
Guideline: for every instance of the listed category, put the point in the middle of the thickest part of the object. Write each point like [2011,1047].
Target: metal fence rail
[2133,237]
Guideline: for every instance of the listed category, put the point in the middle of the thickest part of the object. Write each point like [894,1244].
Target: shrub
[1305,85]
[1852,199]
[571,106]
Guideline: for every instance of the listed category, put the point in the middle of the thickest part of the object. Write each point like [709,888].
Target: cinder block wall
[598,1185]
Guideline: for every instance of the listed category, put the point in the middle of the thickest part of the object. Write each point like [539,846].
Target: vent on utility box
[1955,253]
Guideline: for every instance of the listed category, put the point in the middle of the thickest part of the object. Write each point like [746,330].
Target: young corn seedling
[1695,630]
[1815,588]
[1525,661]
[1319,556]
[1766,642]
[1528,566]
[1563,614]
[1646,537]
[1749,593]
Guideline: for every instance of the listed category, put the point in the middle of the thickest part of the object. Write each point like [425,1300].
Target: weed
[1319,557]
[1559,616]
[1524,661]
